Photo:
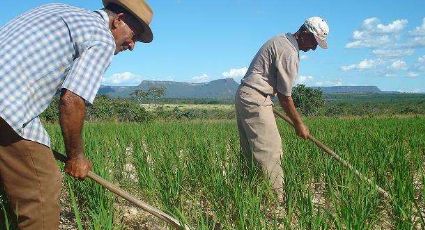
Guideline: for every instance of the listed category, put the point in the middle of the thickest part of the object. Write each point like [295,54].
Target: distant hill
[116,91]
[221,89]
[217,89]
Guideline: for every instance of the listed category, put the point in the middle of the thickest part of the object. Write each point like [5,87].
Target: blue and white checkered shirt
[51,47]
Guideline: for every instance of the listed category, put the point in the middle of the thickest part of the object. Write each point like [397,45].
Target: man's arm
[288,105]
[72,111]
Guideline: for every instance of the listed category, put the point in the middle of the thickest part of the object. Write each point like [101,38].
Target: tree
[156,92]
[308,100]
[151,94]
[139,95]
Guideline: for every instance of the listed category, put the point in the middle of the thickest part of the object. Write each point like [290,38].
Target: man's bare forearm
[288,105]
[72,112]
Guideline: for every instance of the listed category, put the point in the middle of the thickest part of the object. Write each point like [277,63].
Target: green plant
[308,100]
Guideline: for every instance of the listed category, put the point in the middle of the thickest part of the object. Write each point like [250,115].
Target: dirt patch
[318,190]
[67,217]
[134,218]
[419,205]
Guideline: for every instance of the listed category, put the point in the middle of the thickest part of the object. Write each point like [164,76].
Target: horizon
[147,80]
[378,43]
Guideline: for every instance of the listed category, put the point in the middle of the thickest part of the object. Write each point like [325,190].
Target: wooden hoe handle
[120,192]
[337,157]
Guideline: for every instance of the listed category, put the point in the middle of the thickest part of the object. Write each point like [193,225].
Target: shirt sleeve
[85,76]
[287,71]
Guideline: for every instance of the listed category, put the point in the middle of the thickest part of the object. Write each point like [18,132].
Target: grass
[5,224]
[193,171]
[75,207]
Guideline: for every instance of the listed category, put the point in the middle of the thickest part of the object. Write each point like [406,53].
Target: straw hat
[139,9]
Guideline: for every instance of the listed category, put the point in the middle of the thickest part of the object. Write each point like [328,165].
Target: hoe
[118,191]
[337,157]
[349,166]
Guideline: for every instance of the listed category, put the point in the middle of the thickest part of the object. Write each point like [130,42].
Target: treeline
[373,104]
[105,109]
[130,110]
[310,102]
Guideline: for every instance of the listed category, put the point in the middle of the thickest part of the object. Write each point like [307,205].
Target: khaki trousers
[259,136]
[31,180]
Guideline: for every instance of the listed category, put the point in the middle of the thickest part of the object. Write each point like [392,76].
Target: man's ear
[118,20]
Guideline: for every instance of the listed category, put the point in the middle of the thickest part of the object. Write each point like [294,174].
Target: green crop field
[192,170]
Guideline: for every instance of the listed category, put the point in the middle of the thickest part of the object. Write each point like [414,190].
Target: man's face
[126,32]
[307,42]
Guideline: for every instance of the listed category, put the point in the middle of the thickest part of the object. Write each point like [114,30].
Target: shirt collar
[104,16]
[293,41]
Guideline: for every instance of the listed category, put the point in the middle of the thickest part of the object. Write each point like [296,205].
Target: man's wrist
[298,123]
[75,156]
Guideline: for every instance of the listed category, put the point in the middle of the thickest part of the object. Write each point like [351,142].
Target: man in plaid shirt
[55,47]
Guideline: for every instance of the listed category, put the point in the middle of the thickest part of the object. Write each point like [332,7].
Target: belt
[260,92]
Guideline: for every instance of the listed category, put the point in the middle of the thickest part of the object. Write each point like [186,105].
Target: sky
[374,43]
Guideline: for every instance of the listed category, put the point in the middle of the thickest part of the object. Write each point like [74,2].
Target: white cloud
[200,79]
[373,25]
[417,36]
[122,79]
[236,73]
[303,79]
[417,42]
[393,53]
[370,42]
[359,35]
[420,30]
[421,60]
[304,57]
[363,65]
[394,27]
[412,74]
[420,64]
[389,43]
[348,67]
[335,82]
[374,34]
[370,23]
[367,64]
[398,65]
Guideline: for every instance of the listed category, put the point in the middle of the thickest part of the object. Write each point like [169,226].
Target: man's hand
[78,166]
[302,131]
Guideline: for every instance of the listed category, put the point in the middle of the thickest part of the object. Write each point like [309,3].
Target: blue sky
[379,43]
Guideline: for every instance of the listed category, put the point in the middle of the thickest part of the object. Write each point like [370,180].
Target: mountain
[217,89]
[116,91]
[221,89]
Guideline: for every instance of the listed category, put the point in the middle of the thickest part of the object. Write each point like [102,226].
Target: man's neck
[296,36]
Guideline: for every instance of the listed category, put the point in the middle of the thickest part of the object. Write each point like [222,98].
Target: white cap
[320,29]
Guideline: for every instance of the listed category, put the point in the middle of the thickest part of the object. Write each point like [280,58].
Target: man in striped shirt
[55,48]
